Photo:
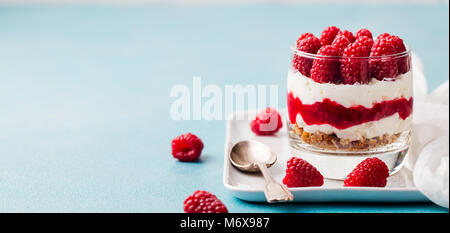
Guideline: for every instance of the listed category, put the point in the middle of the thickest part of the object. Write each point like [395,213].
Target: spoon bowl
[253,156]
[246,154]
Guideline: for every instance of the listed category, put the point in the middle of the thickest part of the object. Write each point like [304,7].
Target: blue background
[85,96]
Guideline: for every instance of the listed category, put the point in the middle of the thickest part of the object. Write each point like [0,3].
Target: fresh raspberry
[309,44]
[398,43]
[380,66]
[383,35]
[367,43]
[303,36]
[347,34]
[326,70]
[300,173]
[363,32]
[203,202]
[187,147]
[267,122]
[372,172]
[340,43]
[328,35]
[403,62]
[354,67]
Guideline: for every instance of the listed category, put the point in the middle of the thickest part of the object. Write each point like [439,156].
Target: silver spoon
[253,156]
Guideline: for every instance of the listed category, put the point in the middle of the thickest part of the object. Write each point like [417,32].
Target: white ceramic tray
[249,187]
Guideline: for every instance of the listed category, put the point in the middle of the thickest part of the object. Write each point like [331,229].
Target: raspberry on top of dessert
[350,87]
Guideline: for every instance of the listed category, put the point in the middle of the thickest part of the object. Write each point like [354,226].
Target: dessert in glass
[349,97]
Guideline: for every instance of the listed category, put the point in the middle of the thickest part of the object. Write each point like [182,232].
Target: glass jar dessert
[349,100]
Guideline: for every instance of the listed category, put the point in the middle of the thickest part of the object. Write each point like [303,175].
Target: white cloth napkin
[429,152]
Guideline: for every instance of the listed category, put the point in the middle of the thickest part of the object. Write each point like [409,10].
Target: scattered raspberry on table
[372,172]
[203,202]
[187,147]
[300,173]
[267,122]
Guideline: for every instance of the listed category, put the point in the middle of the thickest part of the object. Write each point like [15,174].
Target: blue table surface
[85,96]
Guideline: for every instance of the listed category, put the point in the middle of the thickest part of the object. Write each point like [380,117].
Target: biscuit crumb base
[332,142]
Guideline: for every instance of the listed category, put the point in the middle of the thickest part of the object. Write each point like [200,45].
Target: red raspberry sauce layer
[332,113]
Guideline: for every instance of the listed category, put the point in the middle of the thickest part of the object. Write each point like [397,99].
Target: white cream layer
[388,125]
[310,92]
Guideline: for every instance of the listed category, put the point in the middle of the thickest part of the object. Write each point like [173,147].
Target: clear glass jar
[344,110]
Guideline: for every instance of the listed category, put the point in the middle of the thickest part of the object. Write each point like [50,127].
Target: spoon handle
[274,191]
